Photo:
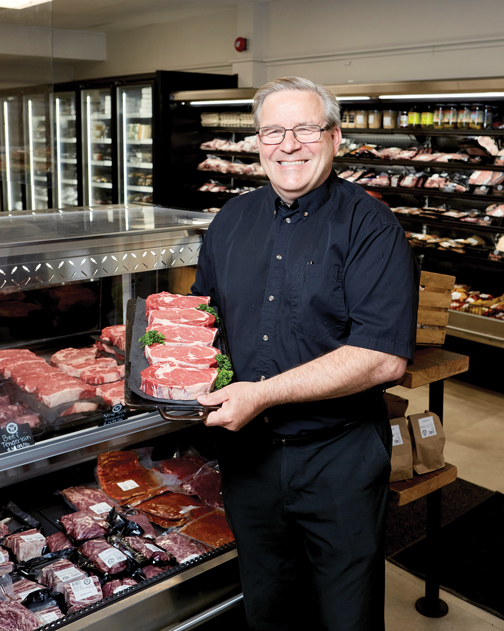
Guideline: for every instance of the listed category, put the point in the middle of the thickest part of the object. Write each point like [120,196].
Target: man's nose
[290,142]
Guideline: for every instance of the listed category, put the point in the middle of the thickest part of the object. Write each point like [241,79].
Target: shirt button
[305,214]
[265,338]
[266,419]
[279,257]
[262,378]
[288,220]
[271,298]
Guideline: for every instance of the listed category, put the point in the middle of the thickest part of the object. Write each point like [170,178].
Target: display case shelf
[415,164]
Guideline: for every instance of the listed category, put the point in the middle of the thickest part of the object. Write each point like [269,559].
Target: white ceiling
[114,15]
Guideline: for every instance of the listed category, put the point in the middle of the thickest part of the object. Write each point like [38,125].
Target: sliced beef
[116,586]
[183,548]
[116,335]
[169,509]
[15,617]
[58,541]
[11,356]
[152,570]
[185,335]
[26,545]
[104,557]
[192,317]
[75,370]
[193,356]
[166,300]
[73,356]
[88,498]
[173,382]
[112,393]
[53,392]
[84,592]
[84,524]
[56,575]
[211,529]
[97,375]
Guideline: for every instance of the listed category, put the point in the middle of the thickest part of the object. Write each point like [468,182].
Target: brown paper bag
[401,460]
[428,442]
[396,406]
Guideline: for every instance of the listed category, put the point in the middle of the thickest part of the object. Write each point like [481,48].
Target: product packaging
[401,460]
[396,405]
[428,440]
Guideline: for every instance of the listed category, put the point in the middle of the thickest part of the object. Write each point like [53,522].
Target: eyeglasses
[302,133]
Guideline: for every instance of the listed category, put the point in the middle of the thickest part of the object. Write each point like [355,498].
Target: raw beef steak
[12,356]
[87,498]
[57,574]
[97,375]
[165,300]
[79,408]
[104,557]
[26,545]
[112,393]
[174,382]
[6,565]
[84,524]
[182,548]
[24,363]
[192,317]
[192,356]
[74,370]
[185,335]
[55,392]
[78,594]
[148,549]
[73,356]
[15,617]
[116,335]
[116,586]
[58,541]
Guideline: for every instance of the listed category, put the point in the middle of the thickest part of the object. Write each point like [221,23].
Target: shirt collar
[307,204]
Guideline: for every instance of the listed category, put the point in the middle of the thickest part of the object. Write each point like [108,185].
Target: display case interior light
[222,102]
[354,98]
[450,95]
[21,4]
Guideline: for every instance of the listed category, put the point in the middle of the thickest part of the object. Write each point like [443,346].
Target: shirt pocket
[317,301]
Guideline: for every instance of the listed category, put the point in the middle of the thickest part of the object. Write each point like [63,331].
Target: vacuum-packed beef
[57,574]
[116,586]
[88,498]
[84,592]
[58,541]
[170,509]
[105,557]
[49,614]
[152,570]
[182,469]
[84,525]
[26,545]
[148,549]
[212,529]
[182,548]
[206,484]
[6,565]
[23,587]
[15,617]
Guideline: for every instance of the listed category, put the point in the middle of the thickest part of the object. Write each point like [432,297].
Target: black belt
[306,439]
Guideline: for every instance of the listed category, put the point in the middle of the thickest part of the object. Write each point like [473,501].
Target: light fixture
[224,102]
[20,4]
[451,95]
[354,98]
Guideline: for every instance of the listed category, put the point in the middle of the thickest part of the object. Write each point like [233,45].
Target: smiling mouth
[295,163]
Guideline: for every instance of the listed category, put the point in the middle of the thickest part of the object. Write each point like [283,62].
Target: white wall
[329,41]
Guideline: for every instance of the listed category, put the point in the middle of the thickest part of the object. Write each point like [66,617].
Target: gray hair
[331,105]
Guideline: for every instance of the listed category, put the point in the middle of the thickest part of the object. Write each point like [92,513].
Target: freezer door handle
[207,615]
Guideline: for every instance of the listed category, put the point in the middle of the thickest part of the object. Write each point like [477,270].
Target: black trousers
[309,524]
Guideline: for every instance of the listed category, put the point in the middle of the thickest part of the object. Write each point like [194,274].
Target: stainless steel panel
[476,328]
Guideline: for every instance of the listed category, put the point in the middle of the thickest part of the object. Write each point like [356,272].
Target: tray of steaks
[190,358]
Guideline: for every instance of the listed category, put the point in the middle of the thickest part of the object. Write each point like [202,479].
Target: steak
[10,412]
[148,550]
[84,524]
[59,573]
[58,541]
[49,614]
[145,524]
[112,393]
[173,382]
[75,370]
[212,530]
[23,587]
[192,317]
[104,557]
[15,617]
[6,565]
[87,498]
[206,484]
[12,356]
[26,419]
[55,392]
[97,375]
[22,364]
[165,300]
[151,570]
[80,593]
[79,408]
[26,545]
[117,585]
[73,356]
[185,335]
[169,509]
[193,356]
[182,469]
[182,548]
[116,335]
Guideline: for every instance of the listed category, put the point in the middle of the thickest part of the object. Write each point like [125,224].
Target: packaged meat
[206,484]
[211,530]
[152,570]
[181,547]
[112,393]
[57,574]
[144,523]
[88,498]
[116,586]
[4,530]
[148,549]
[58,541]
[168,382]
[15,617]
[186,335]
[104,557]
[181,469]
[23,587]
[26,545]
[6,565]
[171,317]
[84,592]
[193,356]
[49,614]
[165,300]
[170,509]
[84,524]
[480,178]
[122,477]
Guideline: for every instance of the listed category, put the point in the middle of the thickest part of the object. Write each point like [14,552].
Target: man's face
[296,168]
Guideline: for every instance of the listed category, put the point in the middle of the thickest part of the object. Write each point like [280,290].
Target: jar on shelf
[476,116]
[437,116]
[389,119]
[488,116]
[426,117]
[361,119]
[351,119]
[463,117]
[450,114]
[344,119]
[413,117]
[374,119]
[403,120]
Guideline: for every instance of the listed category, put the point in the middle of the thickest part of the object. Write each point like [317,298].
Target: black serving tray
[135,362]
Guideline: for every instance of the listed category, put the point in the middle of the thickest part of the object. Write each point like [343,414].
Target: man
[318,292]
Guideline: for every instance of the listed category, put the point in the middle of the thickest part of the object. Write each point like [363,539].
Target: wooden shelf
[432,364]
[419,486]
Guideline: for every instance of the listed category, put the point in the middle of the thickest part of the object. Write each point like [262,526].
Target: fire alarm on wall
[240,44]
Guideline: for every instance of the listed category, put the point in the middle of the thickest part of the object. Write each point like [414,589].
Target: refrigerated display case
[37,142]
[66,150]
[14,153]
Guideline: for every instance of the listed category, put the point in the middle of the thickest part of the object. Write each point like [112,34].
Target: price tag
[50,616]
[427,426]
[153,548]
[101,508]
[396,436]
[84,589]
[23,595]
[70,574]
[14,437]
[36,537]
[2,557]
[112,556]
[127,485]
[115,415]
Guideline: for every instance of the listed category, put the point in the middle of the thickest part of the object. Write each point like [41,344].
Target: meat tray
[135,362]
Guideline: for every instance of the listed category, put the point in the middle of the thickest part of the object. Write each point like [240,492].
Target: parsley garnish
[225,371]
[152,337]
[210,310]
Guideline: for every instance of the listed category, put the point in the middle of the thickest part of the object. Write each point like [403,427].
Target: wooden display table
[431,366]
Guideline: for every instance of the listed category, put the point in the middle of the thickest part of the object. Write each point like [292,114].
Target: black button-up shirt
[293,283]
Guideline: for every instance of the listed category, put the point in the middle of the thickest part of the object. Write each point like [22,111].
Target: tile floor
[474,428]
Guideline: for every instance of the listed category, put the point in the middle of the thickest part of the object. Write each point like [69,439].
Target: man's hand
[241,402]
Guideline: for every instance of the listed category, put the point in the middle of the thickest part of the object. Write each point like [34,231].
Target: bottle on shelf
[426,117]
[437,118]
[403,120]
[414,117]
[463,117]
[450,114]
[476,116]
[361,119]
[375,119]
[389,119]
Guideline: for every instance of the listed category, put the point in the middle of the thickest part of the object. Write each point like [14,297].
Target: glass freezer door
[97,146]
[14,153]
[135,143]
[38,162]
[65,150]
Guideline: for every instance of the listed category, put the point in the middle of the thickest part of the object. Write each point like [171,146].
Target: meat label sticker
[153,548]
[2,557]
[84,589]
[35,537]
[48,617]
[70,574]
[121,588]
[23,595]
[101,508]
[396,436]
[190,558]
[127,485]
[112,556]
[427,427]
[14,437]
